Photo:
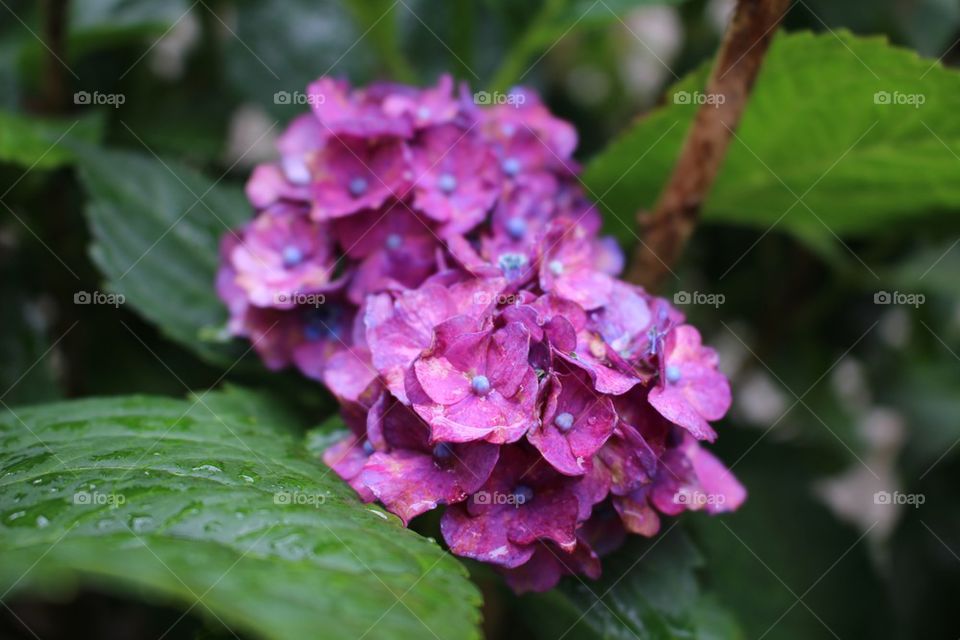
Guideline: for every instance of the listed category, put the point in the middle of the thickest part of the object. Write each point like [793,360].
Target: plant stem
[55,14]
[741,54]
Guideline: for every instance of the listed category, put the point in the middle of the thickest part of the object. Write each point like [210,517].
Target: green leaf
[156,227]
[554,20]
[649,590]
[40,143]
[813,130]
[215,505]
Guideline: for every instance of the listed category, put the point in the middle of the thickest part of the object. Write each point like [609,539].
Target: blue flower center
[447,182]
[367,447]
[516,227]
[480,385]
[394,241]
[564,421]
[673,373]
[423,112]
[511,263]
[442,452]
[292,256]
[358,186]
[556,267]
[522,494]
[320,323]
[511,166]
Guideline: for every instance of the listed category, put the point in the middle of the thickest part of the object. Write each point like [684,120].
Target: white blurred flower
[718,14]
[250,139]
[168,56]
[655,36]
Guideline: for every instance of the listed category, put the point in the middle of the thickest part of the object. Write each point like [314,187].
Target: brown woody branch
[666,230]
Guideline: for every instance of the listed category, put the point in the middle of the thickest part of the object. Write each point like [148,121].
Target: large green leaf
[649,590]
[214,504]
[39,142]
[156,227]
[813,130]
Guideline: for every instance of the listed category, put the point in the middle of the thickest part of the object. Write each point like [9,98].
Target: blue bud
[516,227]
[564,421]
[292,256]
[480,385]
[358,186]
[447,182]
[673,373]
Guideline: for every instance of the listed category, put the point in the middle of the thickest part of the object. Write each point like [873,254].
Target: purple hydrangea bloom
[434,263]
[691,391]
[359,113]
[457,179]
[568,267]
[414,476]
[350,175]
[282,253]
[400,327]
[476,384]
[576,422]
[424,108]
[523,501]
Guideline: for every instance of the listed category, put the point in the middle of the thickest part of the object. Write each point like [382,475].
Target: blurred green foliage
[828,199]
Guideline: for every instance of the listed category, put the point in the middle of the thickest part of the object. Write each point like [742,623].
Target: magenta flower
[396,250]
[414,476]
[352,175]
[691,390]
[568,267]
[348,457]
[268,184]
[549,563]
[436,265]
[359,113]
[281,256]
[528,137]
[692,479]
[456,177]
[576,423]
[399,328]
[475,383]
[523,501]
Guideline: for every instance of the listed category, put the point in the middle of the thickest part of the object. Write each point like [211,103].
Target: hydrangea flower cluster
[434,264]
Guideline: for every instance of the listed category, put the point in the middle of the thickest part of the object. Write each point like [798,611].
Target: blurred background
[846,420]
